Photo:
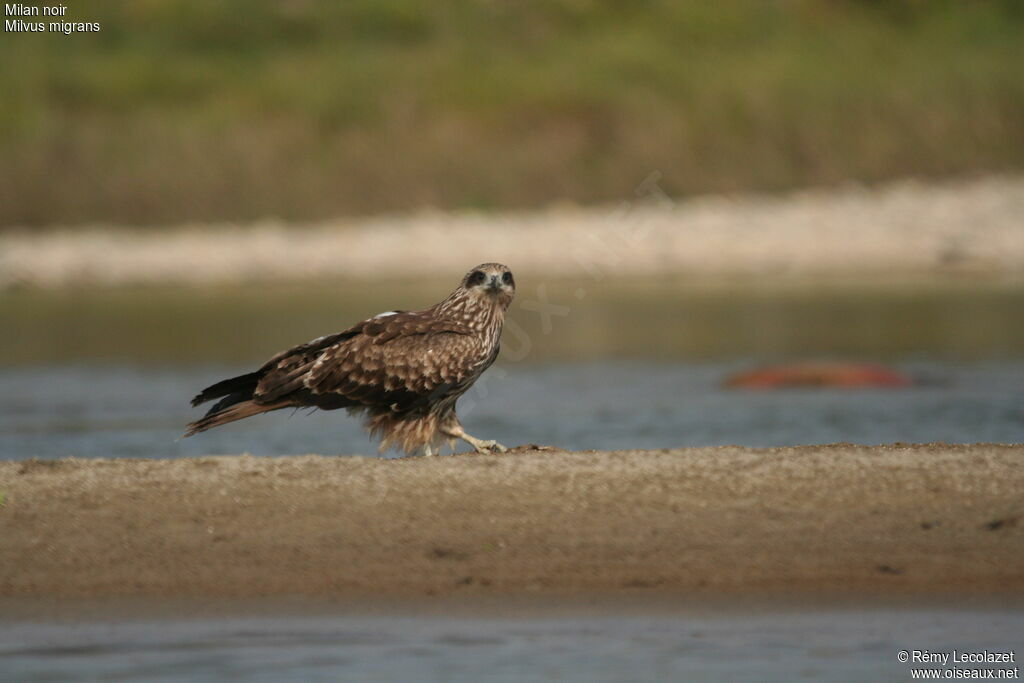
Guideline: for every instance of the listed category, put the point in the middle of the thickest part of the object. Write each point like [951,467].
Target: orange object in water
[819,374]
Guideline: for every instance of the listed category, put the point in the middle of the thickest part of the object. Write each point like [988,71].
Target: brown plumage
[403,371]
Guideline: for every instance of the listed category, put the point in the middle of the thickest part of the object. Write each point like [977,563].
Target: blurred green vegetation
[240,109]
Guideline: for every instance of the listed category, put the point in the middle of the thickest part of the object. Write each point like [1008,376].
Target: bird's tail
[238,388]
[237,411]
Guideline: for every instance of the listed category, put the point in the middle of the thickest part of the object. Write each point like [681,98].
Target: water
[697,645]
[85,411]
[663,318]
[108,373]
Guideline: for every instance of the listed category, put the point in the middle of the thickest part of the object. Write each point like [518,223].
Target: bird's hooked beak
[495,284]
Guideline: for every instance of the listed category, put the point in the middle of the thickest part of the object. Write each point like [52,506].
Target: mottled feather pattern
[402,370]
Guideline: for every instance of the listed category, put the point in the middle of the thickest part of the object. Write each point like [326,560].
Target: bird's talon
[481,446]
[488,447]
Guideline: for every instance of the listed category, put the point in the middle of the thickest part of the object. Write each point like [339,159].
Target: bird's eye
[507,279]
[475,278]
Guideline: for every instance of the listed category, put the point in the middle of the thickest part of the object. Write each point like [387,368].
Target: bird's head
[491,281]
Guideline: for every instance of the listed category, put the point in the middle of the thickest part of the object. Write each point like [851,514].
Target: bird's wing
[284,373]
[401,359]
[401,362]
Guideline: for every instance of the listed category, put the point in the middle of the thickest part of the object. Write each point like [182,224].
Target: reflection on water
[549,320]
[140,412]
[827,645]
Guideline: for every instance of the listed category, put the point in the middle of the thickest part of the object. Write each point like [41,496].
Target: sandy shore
[921,520]
[970,226]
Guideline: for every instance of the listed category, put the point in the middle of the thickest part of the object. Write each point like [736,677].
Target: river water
[831,644]
[139,412]
[584,364]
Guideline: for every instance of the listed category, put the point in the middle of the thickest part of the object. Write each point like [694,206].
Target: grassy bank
[236,110]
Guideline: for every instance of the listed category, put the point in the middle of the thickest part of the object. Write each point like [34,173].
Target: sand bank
[968,226]
[917,520]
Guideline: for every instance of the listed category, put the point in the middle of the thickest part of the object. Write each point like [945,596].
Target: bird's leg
[428,451]
[481,446]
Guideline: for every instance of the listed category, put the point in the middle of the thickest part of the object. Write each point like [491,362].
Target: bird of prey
[402,371]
